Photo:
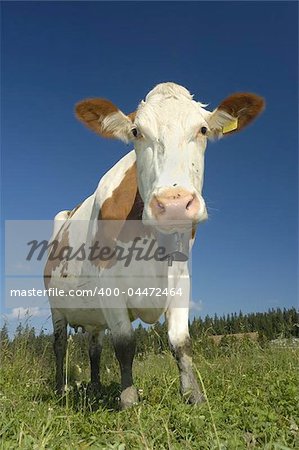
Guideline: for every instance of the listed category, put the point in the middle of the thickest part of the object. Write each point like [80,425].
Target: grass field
[252,392]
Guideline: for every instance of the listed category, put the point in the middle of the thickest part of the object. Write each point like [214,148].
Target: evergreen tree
[4,334]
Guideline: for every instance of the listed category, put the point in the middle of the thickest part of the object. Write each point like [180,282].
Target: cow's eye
[203,130]
[135,132]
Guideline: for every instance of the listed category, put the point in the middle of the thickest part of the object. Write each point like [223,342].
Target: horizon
[24,322]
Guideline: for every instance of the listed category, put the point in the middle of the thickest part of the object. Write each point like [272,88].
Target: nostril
[189,203]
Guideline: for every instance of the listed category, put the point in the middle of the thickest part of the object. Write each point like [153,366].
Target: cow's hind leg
[95,350]
[60,342]
[124,345]
[180,344]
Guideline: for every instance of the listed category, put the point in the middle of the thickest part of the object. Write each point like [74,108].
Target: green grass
[252,392]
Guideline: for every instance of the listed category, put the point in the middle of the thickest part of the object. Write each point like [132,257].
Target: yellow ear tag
[231,126]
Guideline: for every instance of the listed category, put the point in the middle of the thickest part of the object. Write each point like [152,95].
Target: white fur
[117,124]
[169,121]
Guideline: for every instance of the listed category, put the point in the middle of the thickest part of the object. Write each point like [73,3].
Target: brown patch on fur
[129,233]
[92,111]
[52,264]
[123,205]
[121,202]
[244,106]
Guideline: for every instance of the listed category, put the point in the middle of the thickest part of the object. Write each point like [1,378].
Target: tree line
[270,325]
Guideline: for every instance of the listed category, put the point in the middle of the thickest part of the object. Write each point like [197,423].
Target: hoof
[128,398]
[192,394]
[195,398]
[190,389]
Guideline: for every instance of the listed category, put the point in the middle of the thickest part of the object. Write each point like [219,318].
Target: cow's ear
[234,113]
[103,117]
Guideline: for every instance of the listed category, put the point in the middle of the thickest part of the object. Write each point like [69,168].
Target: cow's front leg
[124,345]
[180,344]
[95,350]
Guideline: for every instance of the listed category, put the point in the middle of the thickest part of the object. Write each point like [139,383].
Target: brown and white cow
[158,183]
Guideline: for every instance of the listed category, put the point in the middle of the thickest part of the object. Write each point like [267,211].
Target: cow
[159,186]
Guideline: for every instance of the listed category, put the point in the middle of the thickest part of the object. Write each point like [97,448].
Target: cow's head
[170,131]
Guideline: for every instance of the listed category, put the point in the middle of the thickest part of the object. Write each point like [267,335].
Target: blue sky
[56,53]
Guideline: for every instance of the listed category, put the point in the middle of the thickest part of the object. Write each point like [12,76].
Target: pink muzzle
[175,204]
